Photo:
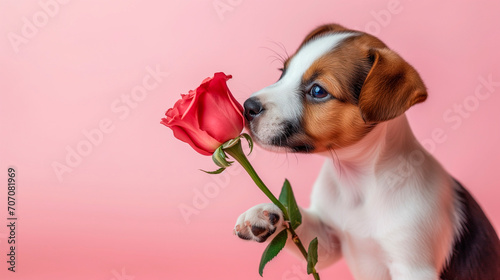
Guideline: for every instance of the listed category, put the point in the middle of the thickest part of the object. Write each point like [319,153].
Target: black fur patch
[245,237]
[476,253]
[265,237]
[305,148]
[256,230]
[288,130]
[358,79]
[273,218]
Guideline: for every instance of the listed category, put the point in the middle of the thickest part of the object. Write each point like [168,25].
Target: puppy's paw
[259,222]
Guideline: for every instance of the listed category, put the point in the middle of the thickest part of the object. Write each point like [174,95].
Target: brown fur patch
[344,69]
[318,31]
[370,84]
[334,124]
[391,88]
[338,122]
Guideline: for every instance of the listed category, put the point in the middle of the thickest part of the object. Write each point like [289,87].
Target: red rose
[206,117]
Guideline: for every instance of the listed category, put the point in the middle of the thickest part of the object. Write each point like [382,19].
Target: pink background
[116,214]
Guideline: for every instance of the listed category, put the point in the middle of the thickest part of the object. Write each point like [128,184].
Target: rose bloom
[207,117]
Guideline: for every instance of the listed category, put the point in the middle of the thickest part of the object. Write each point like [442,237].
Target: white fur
[385,205]
[394,219]
[282,100]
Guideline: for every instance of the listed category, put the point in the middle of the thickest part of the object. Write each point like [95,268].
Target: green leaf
[288,199]
[272,250]
[312,255]
[249,140]
[219,157]
[218,171]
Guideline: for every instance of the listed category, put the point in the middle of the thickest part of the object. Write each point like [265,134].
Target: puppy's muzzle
[253,108]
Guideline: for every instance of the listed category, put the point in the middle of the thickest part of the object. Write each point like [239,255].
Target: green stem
[237,153]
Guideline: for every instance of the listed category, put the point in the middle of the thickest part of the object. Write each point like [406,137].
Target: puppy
[381,201]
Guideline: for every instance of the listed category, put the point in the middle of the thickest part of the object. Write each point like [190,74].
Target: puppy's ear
[391,87]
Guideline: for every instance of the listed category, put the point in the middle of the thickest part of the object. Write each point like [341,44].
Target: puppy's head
[334,90]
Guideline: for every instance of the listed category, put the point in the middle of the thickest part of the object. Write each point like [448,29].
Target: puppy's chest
[357,208]
[360,219]
[351,211]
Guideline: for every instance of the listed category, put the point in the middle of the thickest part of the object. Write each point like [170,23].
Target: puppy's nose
[253,108]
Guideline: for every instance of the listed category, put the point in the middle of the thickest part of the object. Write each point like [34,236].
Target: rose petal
[198,140]
[220,116]
[197,137]
[206,117]
[180,134]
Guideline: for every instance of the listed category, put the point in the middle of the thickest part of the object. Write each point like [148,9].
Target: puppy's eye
[318,92]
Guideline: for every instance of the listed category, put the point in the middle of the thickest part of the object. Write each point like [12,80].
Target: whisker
[296,158]
[278,56]
[280,44]
[276,59]
[336,162]
[287,160]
